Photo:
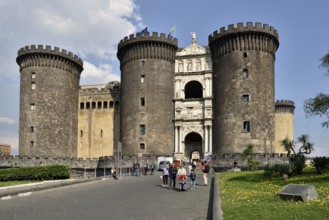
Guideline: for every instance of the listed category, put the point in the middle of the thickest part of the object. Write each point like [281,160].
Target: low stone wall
[227,160]
[223,160]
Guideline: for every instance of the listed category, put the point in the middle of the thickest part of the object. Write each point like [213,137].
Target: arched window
[99,104]
[88,105]
[193,89]
[104,104]
[93,105]
[82,105]
[111,104]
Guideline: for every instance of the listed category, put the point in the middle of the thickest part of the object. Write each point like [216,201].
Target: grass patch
[250,195]
[13,183]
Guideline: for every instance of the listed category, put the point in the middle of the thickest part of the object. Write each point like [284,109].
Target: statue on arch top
[193,37]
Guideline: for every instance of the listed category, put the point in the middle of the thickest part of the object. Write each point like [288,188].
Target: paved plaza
[130,197]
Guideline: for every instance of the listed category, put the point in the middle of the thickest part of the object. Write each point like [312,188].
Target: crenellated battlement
[146,46]
[240,27]
[146,36]
[49,50]
[284,106]
[284,102]
[240,37]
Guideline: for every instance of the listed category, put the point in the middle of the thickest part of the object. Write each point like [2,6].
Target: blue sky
[92,29]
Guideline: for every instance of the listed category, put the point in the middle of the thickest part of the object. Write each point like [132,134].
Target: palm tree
[307,146]
[289,146]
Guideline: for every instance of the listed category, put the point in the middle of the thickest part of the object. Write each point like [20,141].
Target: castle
[193,102]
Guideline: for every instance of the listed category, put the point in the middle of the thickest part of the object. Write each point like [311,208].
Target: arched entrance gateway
[193,103]
[193,146]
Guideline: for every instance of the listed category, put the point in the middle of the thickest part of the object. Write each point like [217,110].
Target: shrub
[285,169]
[298,163]
[51,172]
[282,169]
[268,171]
[320,164]
[253,165]
[249,155]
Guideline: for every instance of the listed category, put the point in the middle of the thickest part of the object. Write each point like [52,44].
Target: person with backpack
[205,171]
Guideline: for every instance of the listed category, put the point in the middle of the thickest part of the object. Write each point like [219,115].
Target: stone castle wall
[61,119]
[98,120]
[243,87]
[49,86]
[284,123]
[147,91]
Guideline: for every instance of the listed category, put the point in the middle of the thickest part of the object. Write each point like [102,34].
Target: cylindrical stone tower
[49,90]
[243,87]
[147,92]
[284,123]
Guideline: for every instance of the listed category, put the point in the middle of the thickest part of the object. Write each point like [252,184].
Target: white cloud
[5,120]
[90,28]
[97,75]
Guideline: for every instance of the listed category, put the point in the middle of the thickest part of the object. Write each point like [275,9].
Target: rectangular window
[142,78]
[142,129]
[245,54]
[32,129]
[142,146]
[32,106]
[246,126]
[245,98]
[33,75]
[101,133]
[142,101]
[81,133]
[245,73]
[33,85]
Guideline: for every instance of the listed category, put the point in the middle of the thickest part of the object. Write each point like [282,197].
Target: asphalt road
[132,197]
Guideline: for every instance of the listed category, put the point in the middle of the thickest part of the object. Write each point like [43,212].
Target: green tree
[319,105]
[249,155]
[289,146]
[297,160]
[306,146]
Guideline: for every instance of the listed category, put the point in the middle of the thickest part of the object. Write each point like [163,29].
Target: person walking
[189,167]
[146,168]
[192,179]
[194,164]
[172,176]
[152,168]
[165,176]
[205,171]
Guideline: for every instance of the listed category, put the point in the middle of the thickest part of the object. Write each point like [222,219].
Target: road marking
[6,198]
[24,194]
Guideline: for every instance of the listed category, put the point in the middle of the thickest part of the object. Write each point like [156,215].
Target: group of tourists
[170,173]
[137,169]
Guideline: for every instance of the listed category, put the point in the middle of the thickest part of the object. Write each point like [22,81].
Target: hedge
[51,172]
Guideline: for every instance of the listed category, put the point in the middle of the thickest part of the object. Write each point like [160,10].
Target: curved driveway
[127,198]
